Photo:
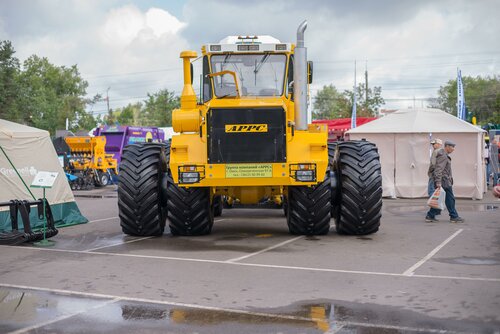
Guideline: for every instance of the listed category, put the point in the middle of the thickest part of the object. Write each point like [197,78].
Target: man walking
[495,168]
[436,145]
[443,179]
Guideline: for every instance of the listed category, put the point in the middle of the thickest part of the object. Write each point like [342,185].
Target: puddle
[471,261]
[20,309]
[233,237]
[460,208]
[477,207]
[23,308]
[320,317]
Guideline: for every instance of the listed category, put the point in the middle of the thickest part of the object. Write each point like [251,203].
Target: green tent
[24,151]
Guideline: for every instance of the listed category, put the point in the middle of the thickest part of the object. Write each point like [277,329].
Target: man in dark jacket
[436,146]
[443,179]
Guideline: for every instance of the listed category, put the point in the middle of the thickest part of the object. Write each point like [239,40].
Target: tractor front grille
[246,135]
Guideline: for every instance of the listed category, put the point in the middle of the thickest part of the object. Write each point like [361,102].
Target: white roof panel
[417,121]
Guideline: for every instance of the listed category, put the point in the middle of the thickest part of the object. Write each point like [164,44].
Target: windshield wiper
[226,58]
[259,66]
[261,62]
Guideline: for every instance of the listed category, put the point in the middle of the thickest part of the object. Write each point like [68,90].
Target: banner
[461,113]
[353,115]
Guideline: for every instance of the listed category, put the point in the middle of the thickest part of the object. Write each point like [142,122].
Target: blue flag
[353,115]
[461,113]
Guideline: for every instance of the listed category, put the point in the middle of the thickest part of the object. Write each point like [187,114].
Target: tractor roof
[245,44]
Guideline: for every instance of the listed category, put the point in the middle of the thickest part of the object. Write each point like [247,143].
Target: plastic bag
[437,199]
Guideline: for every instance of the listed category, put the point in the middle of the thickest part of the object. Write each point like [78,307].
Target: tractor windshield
[257,74]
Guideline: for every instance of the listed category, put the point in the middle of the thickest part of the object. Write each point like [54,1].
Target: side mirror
[310,72]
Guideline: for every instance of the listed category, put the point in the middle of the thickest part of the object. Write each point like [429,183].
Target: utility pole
[107,98]
[366,85]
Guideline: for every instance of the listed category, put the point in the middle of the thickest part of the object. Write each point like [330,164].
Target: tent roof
[14,130]
[417,121]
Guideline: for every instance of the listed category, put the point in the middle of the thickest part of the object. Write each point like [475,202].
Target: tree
[52,94]
[9,88]
[41,94]
[367,101]
[482,98]
[158,108]
[129,115]
[329,103]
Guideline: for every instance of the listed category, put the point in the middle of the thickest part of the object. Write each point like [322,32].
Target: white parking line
[61,318]
[100,220]
[168,258]
[263,251]
[336,324]
[410,271]
[117,244]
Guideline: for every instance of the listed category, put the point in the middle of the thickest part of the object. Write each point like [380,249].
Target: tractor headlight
[190,177]
[305,172]
[304,175]
[191,174]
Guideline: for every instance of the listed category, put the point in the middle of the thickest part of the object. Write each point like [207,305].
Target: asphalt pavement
[251,276]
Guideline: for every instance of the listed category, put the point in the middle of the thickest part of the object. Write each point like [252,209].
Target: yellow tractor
[89,162]
[246,137]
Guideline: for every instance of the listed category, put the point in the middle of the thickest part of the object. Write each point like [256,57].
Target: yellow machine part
[303,147]
[91,153]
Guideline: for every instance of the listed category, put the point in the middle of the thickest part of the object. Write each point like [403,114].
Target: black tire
[333,178]
[357,165]
[139,189]
[308,209]
[104,178]
[189,210]
[285,206]
[217,205]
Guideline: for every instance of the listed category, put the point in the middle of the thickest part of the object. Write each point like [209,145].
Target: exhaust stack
[188,96]
[300,79]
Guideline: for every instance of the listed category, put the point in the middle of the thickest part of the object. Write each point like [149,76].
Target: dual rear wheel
[147,195]
[351,193]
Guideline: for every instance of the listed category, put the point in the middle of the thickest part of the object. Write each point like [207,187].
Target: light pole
[107,98]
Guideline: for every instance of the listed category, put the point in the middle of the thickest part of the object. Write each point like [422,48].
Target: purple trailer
[119,136]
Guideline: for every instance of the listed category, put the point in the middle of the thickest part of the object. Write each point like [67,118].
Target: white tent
[29,150]
[403,140]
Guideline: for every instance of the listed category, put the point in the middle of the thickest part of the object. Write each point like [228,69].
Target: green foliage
[41,94]
[9,88]
[330,104]
[482,98]
[52,94]
[367,105]
[129,115]
[44,95]
[158,108]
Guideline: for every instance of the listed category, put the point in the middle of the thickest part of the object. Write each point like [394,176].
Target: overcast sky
[410,48]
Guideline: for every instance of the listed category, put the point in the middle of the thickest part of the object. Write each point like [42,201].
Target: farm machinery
[88,164]
[246,137]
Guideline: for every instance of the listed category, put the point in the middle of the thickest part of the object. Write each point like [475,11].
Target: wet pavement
[31,311]
[251,276]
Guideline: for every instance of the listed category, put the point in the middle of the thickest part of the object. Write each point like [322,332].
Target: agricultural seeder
[88,163]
